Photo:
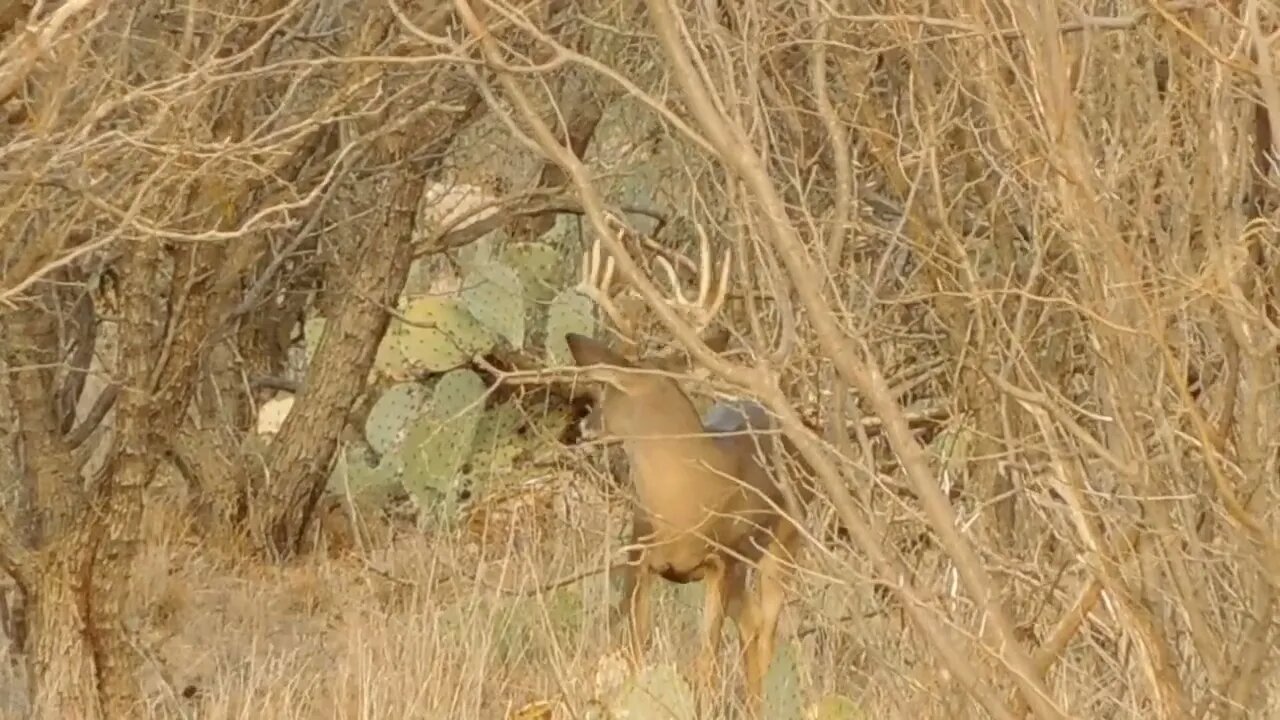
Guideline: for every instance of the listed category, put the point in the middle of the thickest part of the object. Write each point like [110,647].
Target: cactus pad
[355,472]
[539,267]
[392,414]
[389,359]
[439,443]
[496,439]
[782,692]
[570,311]
[440,334]
[494,294]
[656,693]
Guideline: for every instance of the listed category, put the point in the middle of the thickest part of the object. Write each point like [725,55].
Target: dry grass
[1054,231]
[438,627]
[434,626]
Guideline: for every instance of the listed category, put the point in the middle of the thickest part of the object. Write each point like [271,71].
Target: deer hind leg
[761,612]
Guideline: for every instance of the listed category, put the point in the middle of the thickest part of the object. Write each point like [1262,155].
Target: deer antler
[597,283]
[700,312]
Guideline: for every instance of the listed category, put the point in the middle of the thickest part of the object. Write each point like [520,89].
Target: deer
[708,502]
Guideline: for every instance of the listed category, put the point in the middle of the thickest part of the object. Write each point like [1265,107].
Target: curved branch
[107,400]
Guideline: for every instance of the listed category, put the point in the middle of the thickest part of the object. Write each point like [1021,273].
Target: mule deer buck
[708,502]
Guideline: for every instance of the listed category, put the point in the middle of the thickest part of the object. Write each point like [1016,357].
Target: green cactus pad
[392,415]
[350,456]
[389,359]
[457,393]
[496,445]
[539,266]
[312,330]
[782,695]
[355,472]
[420,276]
[494,294]
[481,251]
[440,334]
[570,311]
[439,444]
[656,693]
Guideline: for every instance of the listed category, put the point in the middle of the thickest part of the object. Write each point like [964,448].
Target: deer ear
[603,365]
[589,351]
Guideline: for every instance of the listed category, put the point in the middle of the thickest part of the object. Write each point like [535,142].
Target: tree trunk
[60,663]
[60,667]
[115,534]
[306,442]
[81,663]
[301,452]
[76,568]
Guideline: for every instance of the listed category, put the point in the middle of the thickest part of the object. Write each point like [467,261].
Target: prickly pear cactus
[656,693]
[782,696]
[570,311]
[440,442]
[542,270]
[497,446]
[539,266]
[480,251]
[835,707]
[356,473]
[682,606]
[440,334]
[390,359]
[312,329]
[494,294]
[392,414]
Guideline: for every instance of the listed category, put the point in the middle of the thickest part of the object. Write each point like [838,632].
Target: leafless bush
[195,166]
[1052,223]
[1016,262]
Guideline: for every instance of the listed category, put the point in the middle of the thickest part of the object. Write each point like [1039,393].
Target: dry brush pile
[1007,275]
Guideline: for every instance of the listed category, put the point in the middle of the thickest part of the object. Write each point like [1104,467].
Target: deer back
[749,434]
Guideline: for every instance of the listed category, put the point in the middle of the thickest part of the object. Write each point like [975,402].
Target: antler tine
[672,280]
[595,283]
[591,277]
[704,276]
[702,311]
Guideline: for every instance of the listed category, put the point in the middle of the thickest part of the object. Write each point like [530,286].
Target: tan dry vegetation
[1006,272]
[439,626]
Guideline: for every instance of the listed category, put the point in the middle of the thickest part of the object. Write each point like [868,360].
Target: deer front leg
[717,591]
[637,591]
